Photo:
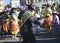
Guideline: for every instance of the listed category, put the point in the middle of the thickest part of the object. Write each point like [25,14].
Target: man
[26,26]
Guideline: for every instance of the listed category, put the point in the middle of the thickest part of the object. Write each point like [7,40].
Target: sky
[6,2]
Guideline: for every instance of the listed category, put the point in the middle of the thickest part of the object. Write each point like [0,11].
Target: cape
[25,17]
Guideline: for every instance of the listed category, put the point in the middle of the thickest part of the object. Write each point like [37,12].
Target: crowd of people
[29,21]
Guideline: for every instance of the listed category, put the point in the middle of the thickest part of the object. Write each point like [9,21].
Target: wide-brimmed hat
[30,7]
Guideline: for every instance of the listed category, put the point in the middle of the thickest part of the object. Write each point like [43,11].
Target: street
[43,37]
[26,15]
[38,40]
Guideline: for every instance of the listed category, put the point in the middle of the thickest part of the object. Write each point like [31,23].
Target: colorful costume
[36,28]
[46,11]
[55,23]
[48,21]
[5,24]
[14,26]
[26,29]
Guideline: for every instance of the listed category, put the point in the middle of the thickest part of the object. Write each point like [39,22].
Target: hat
[30,7]
[13,9]
[55,12]
[37,15]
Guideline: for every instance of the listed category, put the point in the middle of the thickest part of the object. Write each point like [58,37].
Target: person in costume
[49,10]
[36,28]
[46,10]
[41,20]
[26,26]
[55,22]
[14,26]
[47,22]
[5,24]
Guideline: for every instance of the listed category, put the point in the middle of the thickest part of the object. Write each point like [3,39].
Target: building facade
[27,2]
[15,3]
[42,2]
